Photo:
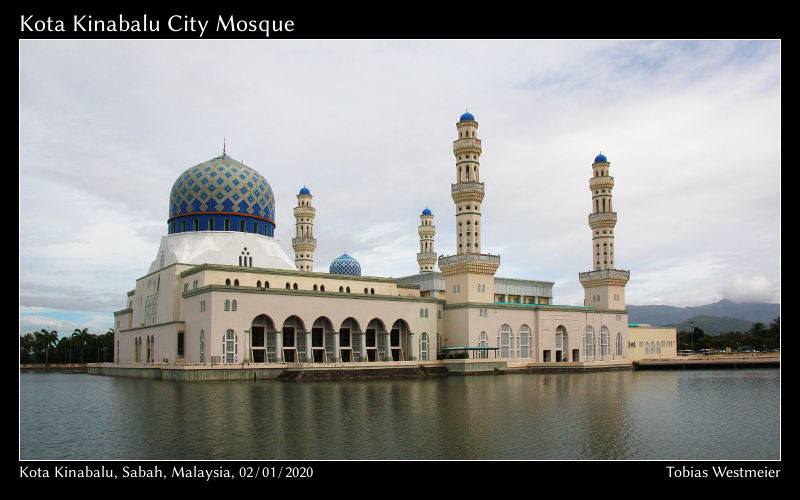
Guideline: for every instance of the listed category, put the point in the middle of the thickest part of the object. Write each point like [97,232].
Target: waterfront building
[221,290]
[649,342]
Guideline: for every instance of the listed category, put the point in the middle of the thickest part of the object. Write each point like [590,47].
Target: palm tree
[45,340]
[81,336]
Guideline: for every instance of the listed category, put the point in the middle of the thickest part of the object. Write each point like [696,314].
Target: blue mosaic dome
[427,211]
[221,194]
[305,190]
[344,264]
[600,158]
[466,116]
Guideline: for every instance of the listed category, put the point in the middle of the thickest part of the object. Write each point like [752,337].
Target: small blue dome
[427,211]
[466,116]
[344,264]
[305,190]
[600,158]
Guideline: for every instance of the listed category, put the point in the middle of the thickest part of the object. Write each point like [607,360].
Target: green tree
[45,339]
[27,344]
[81,336]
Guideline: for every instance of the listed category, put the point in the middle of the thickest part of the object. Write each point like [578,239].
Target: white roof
[220,247]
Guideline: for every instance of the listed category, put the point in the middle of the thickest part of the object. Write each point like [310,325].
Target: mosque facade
[222,291]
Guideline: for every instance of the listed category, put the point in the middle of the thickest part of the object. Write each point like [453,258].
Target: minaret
[304,242]
[604,286]
[469,275]
[426,256]
[467,192]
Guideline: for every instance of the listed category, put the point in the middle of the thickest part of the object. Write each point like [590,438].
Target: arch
[293,339]
[288,285]
[604,339]
[341,289]
[424,347]
[230,346]
[348,289]
[350,341]
[228,282]
[202,346]
[374,339]
[233,305]
[562,344]
[322,288]
[366,291]
[323,343]
[315,287]
[263,339]
[399,336]
[483,341]
[372,291]
[588,343]
[294,287]
[236,282]
[227,305]
[504,341]
[258,283]
[619,344]
[525,341]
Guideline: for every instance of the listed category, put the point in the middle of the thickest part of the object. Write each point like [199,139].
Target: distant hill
[714,325]
[725,309]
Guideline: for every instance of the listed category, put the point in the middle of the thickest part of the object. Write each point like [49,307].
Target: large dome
[344,264]
[222,194]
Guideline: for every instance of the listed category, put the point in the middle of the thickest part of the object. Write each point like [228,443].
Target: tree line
[759,336]
[81,346]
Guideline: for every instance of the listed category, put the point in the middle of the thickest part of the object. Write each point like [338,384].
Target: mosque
[222,291]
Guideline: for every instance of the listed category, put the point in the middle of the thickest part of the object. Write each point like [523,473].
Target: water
[662,415]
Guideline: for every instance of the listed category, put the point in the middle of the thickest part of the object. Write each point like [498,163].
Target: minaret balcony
[426,230]
[466,142]
[304,211]
[603,182]
[467,191]
[603,219]
[611,277]
[304,243]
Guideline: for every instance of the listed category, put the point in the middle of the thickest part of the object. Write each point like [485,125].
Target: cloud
[692,129]
[742,288]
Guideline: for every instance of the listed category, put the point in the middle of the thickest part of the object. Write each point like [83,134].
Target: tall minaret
[605,286]
[467,192]
[426,256]
[469,274]
[304,242]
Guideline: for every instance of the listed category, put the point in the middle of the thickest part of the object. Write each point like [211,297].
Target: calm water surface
[663,415]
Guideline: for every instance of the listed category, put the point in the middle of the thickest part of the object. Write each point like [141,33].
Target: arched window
[524,341]
[366,291]
[288,285]
[421,312]
[228,282]
[316,288]
[227,305]
[202,346]
[233,305]
[230,347]
[504,342]
[588,343]
[619,344]
[322,288]
[348,289]
[483,341]
[424,348]
[235,282]
[372,291]
[604,341]
[294,287]
[341,289]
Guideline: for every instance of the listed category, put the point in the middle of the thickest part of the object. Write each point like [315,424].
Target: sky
[691,128]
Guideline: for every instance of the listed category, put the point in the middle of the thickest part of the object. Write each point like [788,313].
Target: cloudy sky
[692,130]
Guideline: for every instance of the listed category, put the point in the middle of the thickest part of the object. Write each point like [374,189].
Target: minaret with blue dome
[427,255]
[604,286]
[304,242]
[468,274]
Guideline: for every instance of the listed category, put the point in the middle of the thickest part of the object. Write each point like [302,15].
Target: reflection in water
[720,414]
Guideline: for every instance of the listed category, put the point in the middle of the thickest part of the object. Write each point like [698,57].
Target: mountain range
[723,316]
